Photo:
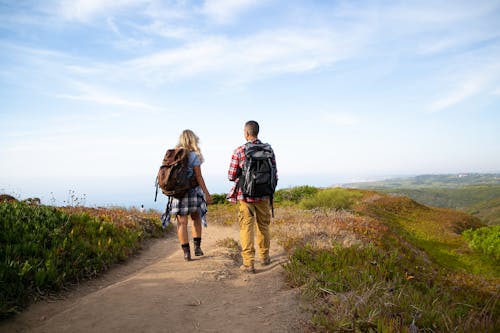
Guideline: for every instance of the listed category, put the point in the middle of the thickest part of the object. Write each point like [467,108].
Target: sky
[92,92]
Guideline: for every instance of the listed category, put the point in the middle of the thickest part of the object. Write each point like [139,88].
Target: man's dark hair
[252,127]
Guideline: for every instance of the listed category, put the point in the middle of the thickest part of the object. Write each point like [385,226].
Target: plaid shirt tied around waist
[235,169]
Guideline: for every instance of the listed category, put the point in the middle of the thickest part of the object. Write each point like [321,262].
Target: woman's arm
[201,182]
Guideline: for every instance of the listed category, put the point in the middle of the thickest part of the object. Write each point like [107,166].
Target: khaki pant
[261,211]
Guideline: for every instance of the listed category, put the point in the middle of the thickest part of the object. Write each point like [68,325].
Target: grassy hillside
[482,201]
[436,181]
[488,211]
[477,194]
[382,263]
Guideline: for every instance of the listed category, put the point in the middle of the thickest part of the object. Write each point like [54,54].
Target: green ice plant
[485,240]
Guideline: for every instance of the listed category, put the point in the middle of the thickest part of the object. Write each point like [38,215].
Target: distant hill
[441,181]
[475,193]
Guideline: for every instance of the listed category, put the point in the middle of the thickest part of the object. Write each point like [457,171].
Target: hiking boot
[187,252]
[197,249]
[247,269]
[266,261]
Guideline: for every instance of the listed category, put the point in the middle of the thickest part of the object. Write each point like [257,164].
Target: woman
[195,201]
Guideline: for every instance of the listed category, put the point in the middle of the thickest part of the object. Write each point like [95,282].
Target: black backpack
[172,177]
[259,176]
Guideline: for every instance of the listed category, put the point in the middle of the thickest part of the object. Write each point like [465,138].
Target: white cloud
[466,84]
[123,41]
[113,26]
[169,30]
[108,100]
[423,15]
[424,27]
[85,10]
[100,96]
[430,47]
[260,55]
[459,94]
[225,11]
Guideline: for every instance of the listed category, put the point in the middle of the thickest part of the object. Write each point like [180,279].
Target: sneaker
[266,261]
[247,269]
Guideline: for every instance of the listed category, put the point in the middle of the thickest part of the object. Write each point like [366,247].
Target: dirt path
[159,292]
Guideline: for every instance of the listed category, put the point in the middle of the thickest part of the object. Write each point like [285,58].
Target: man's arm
[234,167]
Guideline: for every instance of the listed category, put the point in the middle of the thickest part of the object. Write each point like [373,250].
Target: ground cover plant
[42,248]
[333,198]
[485,240]
[294,195]
[389,264]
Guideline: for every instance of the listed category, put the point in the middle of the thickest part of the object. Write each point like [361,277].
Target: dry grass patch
[323,228]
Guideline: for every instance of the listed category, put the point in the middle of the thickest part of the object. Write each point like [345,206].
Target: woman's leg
[182,234]
[196,225]
[197,234]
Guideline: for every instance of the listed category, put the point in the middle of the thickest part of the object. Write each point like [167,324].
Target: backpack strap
[271,201]
[239,172]
[156,185]
[165,217]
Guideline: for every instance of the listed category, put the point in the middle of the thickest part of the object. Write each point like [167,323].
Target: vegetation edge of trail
[359,257]
[44,248]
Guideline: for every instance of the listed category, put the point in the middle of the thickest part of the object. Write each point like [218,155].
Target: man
[251,208]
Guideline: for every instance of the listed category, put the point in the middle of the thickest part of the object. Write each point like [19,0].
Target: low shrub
[294,194]
[219,198]
[332,198]
[485,240]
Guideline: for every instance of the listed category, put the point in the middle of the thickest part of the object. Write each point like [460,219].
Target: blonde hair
[190,141]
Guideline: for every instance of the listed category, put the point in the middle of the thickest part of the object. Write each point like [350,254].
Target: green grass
[436,231]
[409,265]
[333,198]
[363,289]
[294,195]
[488,210]
[42,248]
[486,240]
[219,198]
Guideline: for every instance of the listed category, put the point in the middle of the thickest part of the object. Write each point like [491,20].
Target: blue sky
[93,92]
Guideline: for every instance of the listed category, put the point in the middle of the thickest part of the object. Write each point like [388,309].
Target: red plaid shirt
[235,167]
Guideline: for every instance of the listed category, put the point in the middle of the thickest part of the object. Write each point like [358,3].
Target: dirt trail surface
[157,291]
